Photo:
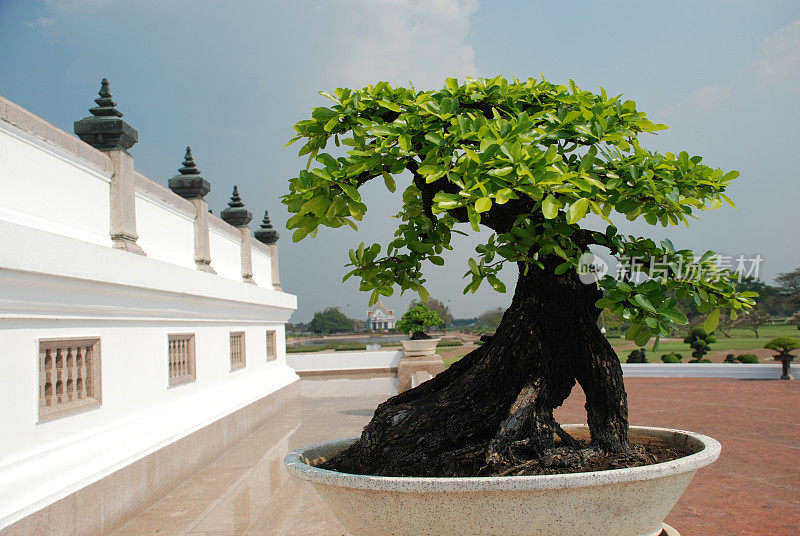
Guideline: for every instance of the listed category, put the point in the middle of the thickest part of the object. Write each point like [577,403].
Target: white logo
[590,268]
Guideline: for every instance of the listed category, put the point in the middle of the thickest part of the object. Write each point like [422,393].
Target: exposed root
[586,458]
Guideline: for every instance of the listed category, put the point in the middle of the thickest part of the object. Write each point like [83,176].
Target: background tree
[700,343]
[754,319]
[435,305]
[789,287]
[794,319]
[490,320]
[330,320]
[527,160]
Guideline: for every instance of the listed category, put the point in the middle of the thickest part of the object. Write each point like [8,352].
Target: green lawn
[741,339]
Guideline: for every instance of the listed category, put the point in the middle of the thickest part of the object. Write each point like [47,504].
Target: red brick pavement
[754,487]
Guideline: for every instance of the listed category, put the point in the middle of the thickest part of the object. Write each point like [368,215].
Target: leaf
[483,204]
[472,155]
[423,293]
[503,195]
[351,191]
[642,300]
[438,261]
[496,284]
[473,267]
[643,336]
[673,315]
[712,321]
[389,105]
[389,180]
[577,210]
[550,207]
[561,268]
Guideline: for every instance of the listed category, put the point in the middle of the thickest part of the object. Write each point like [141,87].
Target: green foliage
[637,356]
[671,358]
[530,160]
[331,320]
[417,319]
[783,345]
[449,342]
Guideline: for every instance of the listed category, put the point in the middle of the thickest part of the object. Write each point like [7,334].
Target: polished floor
[752,490]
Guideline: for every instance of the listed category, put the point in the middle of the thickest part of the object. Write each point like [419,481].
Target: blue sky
[230,79]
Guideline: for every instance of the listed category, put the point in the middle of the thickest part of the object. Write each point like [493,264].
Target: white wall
[165,233]
[45,187]
[226,254]
[52,286]
[343,361]
[262,269]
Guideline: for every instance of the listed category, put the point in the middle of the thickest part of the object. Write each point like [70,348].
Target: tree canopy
[330,320]
[528,160]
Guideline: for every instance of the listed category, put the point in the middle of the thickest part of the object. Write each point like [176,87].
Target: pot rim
[709,451]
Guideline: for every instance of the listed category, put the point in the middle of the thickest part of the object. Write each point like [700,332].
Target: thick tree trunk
[496,404]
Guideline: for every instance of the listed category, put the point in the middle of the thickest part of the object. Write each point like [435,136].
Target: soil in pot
[576,457]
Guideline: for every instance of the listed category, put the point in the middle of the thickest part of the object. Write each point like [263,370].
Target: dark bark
[496,404]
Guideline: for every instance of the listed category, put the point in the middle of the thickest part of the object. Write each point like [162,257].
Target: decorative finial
[105,104]
[236,214]
[189,167]
[104,129]
[188,183]
[236,201]
[266,233]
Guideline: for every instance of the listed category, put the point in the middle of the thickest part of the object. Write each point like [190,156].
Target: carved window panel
[69,376]
[181,359]
[272,346]
[238,358]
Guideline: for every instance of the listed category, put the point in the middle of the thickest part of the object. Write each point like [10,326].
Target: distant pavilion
[379,317]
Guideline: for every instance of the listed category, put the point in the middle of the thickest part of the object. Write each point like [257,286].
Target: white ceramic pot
[620,502]
[419,347]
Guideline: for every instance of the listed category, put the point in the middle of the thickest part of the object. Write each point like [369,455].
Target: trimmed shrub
[450,342]
[637,356]
[744,358]
[672,358]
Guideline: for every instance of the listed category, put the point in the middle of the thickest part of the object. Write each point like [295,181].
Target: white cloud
[407,40]
[780,57]
[703,101]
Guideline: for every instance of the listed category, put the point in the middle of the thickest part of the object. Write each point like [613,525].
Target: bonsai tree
[527,160]
[440,308]
[784,346]
[416,319]
[699,341]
